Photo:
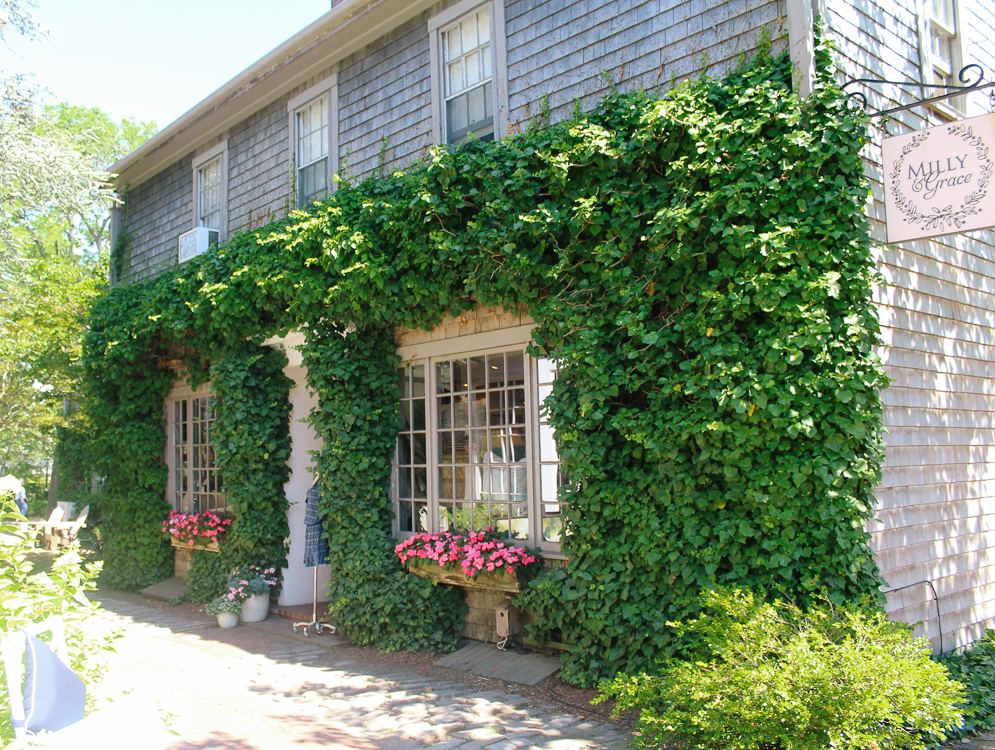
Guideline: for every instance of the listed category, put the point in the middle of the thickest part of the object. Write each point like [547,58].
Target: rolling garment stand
[315,554]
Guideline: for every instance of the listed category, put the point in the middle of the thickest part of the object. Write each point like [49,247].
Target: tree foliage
[700,268]
[54,221]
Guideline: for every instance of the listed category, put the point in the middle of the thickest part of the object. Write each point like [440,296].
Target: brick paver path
[247,689]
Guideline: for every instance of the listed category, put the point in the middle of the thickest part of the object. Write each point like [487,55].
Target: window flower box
[202,545]
[475,560]
[489,581]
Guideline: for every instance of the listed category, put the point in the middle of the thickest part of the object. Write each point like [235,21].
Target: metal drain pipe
[939,623]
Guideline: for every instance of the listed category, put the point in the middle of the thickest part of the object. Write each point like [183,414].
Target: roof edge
[295,58]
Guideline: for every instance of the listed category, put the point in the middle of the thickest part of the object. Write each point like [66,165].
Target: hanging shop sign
[939,181]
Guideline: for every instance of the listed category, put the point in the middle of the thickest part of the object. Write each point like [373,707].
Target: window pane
[418,381]
[469,27]
[472,68]
[457,118]
[484,26]
[456,82]
[495,370]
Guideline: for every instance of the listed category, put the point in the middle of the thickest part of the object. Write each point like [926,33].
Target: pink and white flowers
[194,527]
[247,580]
[472,551]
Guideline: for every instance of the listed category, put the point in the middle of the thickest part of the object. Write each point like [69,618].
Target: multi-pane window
[196,482]
[466,453]
[468,62]
[209,194]
[551,474]
[313,139]
[942,32]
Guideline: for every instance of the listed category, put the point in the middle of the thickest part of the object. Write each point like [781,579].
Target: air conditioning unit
[195,242]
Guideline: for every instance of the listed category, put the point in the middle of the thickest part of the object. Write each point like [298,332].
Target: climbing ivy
[251,436]
[374,601]
[699,265]
[125,391]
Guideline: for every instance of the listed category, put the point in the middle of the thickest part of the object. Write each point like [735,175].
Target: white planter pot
[227,619]
[255,608]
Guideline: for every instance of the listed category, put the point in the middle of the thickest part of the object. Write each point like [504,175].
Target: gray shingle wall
[385,90]
[259,168]
[936,304]
[565,50]
[157,211]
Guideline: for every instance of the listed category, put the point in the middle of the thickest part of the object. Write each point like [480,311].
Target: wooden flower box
[183,554]
[204,546]
[485,580]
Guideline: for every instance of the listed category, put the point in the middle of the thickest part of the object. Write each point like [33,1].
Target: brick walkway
[249,689]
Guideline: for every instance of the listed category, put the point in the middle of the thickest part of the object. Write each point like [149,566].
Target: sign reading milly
[938,181]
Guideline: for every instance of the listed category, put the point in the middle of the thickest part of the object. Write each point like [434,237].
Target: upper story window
[314,141]
[210,185]
[943,49]
[474,451]
[469,69]
[469,81]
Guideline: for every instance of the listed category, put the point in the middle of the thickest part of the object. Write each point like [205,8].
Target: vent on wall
[195,242]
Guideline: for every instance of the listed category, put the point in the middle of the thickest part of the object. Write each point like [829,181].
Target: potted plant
[227,609]
[473,559]
[250,585]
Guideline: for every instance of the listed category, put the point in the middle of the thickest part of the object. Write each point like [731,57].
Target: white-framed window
[469,72]
[474,449]
[942,49]
[314,140]
[195,485]
[210,189]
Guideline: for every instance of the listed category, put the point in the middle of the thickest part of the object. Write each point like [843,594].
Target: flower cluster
[247,580]
[191,527]
[223,604]
[472,551]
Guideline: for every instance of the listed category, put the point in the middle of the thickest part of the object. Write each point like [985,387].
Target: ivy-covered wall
[700,267]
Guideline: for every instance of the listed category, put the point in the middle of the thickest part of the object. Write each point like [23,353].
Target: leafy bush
[208,573]
[975,670]
[27,597]
[770,675]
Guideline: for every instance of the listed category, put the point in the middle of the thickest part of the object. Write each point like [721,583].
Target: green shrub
[975,670]
[769,675]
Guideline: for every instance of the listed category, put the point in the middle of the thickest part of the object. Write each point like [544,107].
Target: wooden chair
[66,534]
[48,527]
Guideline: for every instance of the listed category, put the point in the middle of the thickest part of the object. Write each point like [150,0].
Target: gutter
[347,28]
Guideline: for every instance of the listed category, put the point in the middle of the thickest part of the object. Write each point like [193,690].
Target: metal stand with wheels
[318,626]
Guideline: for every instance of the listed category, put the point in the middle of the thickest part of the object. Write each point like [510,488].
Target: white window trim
[327,87]
[220,149]
[449,17]
[177,393]
[474,345]
[949,108]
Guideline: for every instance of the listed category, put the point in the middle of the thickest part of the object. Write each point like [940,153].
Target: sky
[149,60]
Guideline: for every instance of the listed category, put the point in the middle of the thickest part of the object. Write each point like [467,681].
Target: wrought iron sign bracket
[966,74]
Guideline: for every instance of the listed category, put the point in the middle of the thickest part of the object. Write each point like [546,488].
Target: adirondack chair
[65,534]
[48,527]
